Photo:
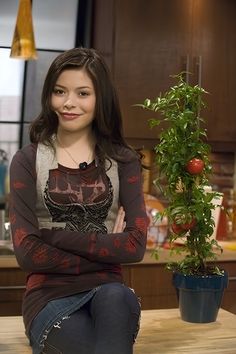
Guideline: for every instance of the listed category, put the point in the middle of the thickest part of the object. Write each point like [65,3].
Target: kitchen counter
[8,261]
[161,331]
[229,254]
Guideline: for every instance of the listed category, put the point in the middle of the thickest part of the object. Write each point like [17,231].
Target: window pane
[55,23]
[8,11]
[9,138]
[35,74]
[11,84]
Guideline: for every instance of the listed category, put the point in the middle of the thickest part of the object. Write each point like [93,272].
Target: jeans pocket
[50,349]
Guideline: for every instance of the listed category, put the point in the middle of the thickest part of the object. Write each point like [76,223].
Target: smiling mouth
[69,116]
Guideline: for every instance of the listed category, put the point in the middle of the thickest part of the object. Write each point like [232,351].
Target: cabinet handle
[186,65]
[187,69]
[199,64]
[231,278]
[12,287]
[199,77]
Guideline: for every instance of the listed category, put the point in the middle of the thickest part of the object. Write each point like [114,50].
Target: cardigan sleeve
[32,252]
[125,247]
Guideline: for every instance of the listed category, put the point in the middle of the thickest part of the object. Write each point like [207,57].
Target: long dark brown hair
[107,124]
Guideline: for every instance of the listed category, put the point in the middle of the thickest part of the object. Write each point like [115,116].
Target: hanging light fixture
[23,45]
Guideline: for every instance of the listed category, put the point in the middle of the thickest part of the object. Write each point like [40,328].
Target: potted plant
[182,158]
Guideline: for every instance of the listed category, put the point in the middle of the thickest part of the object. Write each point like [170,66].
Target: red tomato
[188,226]
[177,229]
[195,166]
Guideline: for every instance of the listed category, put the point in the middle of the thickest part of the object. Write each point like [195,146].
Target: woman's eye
[58,91]
[83,93]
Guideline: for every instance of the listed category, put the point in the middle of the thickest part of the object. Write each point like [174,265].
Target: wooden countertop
[8,262]
[161,332]
[164,256]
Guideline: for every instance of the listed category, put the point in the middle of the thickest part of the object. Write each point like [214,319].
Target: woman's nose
[69,103]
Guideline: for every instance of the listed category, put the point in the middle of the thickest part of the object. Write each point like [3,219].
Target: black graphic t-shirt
[81,198]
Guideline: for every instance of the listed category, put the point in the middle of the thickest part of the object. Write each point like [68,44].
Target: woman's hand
[120,221]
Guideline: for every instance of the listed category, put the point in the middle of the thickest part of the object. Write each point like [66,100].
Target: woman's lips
[69,116]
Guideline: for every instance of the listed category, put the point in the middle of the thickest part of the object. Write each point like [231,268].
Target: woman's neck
[73,149]
[76,139]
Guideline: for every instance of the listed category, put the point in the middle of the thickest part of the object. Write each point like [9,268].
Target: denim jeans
[53,313]
[105,321]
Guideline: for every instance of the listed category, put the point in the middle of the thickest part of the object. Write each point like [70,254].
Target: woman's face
[73,100]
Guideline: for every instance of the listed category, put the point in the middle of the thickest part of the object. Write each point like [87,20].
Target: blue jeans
[107,322]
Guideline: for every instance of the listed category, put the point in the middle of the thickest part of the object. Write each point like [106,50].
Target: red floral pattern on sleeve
[141,223]
[130,247]
[19,185]
[133,179]
[117,242]
[35,281]
[19,235]
[104,252]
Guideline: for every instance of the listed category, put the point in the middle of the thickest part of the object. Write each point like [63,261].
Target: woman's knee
[116,310]
[118,295]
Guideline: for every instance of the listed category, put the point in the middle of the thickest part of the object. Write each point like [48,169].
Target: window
[11,87]
[58,26]
[20,96]
[55,26]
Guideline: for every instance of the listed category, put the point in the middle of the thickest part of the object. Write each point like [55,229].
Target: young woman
[77,212]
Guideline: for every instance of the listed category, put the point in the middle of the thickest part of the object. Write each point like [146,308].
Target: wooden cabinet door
[151,43]
[146,42]
[152,284]
[228,302]
[12,287]
[214,45]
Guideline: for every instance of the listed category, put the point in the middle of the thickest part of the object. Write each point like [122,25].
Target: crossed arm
[50,250]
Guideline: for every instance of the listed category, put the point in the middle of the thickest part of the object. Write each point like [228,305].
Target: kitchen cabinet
[151,43]
[148,42]
[229,302]
[214,55]
[12,287]
[153,285]
[145,43]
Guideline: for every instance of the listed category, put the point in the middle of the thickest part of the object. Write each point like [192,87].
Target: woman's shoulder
[126,153]
[26,153]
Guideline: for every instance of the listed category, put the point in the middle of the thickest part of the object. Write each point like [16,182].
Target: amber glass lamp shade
[23,45]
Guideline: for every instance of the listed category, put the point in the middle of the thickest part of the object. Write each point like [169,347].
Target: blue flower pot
[199,297]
